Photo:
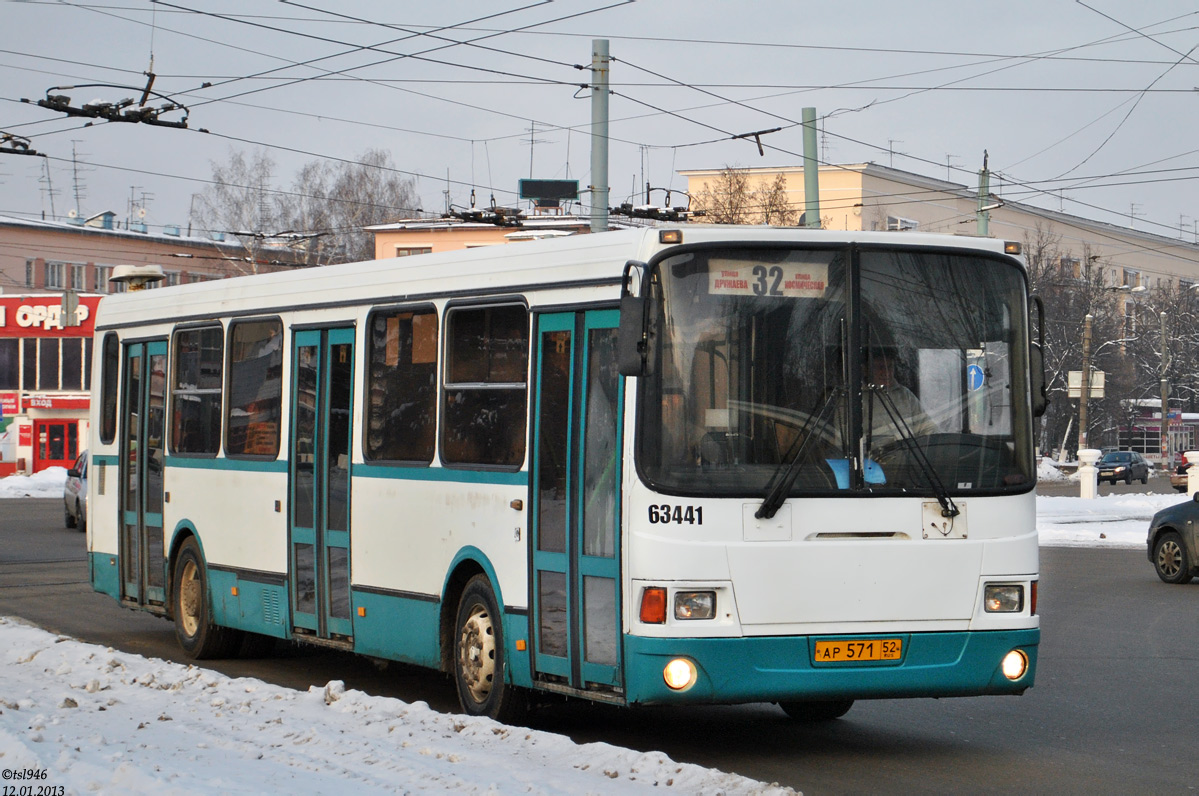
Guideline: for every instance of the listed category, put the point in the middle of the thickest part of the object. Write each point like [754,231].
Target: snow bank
[96,720]
[47,483]
[1120,521]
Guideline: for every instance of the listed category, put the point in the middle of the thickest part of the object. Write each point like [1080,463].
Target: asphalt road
[1158,484]
[1112,711]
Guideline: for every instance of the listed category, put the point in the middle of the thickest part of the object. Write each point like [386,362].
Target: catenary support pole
[599,135]
[811,171]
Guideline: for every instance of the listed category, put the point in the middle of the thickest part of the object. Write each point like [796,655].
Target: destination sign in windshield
[787,280]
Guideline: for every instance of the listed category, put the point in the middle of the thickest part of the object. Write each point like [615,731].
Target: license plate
[875,649]
[1106,473]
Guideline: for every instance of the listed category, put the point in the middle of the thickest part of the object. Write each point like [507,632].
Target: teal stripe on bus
[234,465]
[445,474]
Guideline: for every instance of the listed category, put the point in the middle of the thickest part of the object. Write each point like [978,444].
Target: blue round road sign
[974,378]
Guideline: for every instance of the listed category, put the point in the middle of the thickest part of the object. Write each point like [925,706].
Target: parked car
[74,494]
[1172,543]
[1178,478]
[1123,466]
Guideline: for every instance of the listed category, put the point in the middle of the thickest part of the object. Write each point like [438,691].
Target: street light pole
[1085,393]
[1165,385]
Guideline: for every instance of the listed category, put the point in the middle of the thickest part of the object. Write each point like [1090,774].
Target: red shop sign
[56,402]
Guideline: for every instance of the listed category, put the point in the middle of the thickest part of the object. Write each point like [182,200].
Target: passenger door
[319,476]
[143,401]
[575,499]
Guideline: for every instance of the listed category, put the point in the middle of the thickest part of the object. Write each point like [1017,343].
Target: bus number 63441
[683,515]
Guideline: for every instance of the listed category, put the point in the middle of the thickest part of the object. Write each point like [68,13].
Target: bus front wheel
[479,657]
[194,629]
[823,710]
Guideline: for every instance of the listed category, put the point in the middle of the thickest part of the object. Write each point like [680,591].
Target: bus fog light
[694,604]
[679,674]
[1015,664]
[1003,599]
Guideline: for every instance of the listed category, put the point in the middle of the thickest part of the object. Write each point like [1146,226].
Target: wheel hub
[189,599]
[1169,558]
[476,654]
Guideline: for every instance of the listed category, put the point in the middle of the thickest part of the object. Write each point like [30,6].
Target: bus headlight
[1015,664]
[998,599]
[679,674]
[694,604]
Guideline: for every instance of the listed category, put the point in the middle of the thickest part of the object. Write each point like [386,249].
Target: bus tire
[1170,559]
[194,629]
[479,657]
[817,710]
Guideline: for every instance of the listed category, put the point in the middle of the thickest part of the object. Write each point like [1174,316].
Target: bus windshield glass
[762,366]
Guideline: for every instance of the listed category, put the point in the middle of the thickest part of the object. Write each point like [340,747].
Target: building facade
[45,375]
[45,361]
[867,196]
[52,256]
[426,236]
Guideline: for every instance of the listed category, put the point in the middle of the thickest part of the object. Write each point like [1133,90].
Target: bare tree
[322,216]
[772,200]
[1072,285]
[366,192]
[727,199]
[241,203]
[731,199]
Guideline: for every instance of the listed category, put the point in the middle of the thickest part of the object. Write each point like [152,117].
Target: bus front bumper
[784,668]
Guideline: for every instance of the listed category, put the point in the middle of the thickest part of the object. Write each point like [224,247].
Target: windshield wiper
[784,477]
[948,507]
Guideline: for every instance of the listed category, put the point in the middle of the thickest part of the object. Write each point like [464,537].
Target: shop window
[72,363]
[10,363]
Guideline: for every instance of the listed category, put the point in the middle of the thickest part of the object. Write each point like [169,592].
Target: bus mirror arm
[632,337]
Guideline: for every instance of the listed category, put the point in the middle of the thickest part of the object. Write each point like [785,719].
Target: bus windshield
[768,363]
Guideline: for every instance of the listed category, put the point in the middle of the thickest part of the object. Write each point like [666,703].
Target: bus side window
[401,410]
[255,388]
[108,388]
[486,393]
[196,390]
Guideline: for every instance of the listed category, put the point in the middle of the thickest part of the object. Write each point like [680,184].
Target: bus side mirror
[631,336]
[1036,359]
[1040,390]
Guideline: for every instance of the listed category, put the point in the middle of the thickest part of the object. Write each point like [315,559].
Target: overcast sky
[1088,108]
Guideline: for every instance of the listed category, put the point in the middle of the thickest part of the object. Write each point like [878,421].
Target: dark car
[1123,466]
[1172,542]
[74,494]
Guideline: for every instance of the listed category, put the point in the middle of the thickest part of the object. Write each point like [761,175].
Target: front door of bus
[575,499]
[321,412]
[143,415]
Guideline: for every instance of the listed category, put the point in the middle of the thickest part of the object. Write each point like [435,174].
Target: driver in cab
[880,389]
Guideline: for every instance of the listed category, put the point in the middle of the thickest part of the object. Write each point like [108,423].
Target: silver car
[74,494]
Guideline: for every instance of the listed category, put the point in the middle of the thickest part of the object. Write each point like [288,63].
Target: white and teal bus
[664,466]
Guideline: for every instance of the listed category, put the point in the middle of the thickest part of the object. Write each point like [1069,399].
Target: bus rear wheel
[194,629]
[479,657]
[818,710]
